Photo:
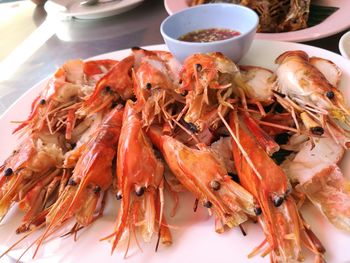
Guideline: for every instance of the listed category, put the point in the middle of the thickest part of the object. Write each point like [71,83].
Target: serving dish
[335,23]
[344,45]
[215,15]
[193,233]
[63,9]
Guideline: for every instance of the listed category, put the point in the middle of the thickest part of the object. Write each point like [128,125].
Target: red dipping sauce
[209,35]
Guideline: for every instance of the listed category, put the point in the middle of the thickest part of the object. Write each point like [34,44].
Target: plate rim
[344,51]
[109,10]
[308,34]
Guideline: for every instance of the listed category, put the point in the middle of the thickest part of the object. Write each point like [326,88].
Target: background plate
[335,23]
[74,9]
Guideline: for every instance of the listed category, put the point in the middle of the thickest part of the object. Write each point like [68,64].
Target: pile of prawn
[147,125]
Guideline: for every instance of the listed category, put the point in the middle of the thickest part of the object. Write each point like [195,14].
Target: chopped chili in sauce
[209,35]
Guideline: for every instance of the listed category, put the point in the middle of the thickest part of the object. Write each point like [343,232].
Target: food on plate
[91,177]
[320,104]
[27,174]
[147,125]
[209,35]
[207,83]
[204,175]
[140,182]
[315,172]
[274,15]
[284,228]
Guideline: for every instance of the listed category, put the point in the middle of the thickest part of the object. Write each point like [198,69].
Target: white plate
[344,45]
[194,237]
[335,23]
[66,9]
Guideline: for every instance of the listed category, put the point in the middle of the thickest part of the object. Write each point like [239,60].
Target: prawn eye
[119,196]
[114,103]
[72,182]
[108,89]
[140,191]
[277,200]
[330,94]
[318,130]
[257,210]
[97,189]
[184,93]
[72,145]
[148,86]
[234,177]
[198,67]
[207,204]
[215,185]
[42,101]
[8,172]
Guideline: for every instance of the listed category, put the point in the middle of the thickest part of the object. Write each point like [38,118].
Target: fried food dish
[275,16]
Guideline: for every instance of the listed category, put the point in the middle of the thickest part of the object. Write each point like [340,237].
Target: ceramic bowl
[223,16]
[344,45]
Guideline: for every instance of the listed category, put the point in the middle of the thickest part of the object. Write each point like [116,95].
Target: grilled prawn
[91,178]
[316,174]
[140,183]
[205,175]
[304,89]
[283,226]
[37,158]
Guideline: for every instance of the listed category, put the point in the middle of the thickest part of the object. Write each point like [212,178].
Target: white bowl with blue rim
[344,45]
[221,16]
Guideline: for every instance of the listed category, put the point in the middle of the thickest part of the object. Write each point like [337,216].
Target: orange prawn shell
[184,161]
[98,155]
[20,157]
[310,79]
[118,79]
[149,75]
[196,170]
[94,67]
[136,164]
[273,178]
[207,64]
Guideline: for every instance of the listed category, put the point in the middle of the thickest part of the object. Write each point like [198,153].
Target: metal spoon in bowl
[94,2]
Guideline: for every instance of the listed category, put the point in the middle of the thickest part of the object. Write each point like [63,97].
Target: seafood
[203,174]
[140,182]
[36,158]
[116,84]
[316,174]
[54,109]
[296,17]
[258,84]
[172,136]
[284,228]
[208,81]
[155,81]
[309,92]
[329,70]
[91,178]
[38,199]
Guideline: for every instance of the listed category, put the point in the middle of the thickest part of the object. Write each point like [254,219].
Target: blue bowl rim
[213,42]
